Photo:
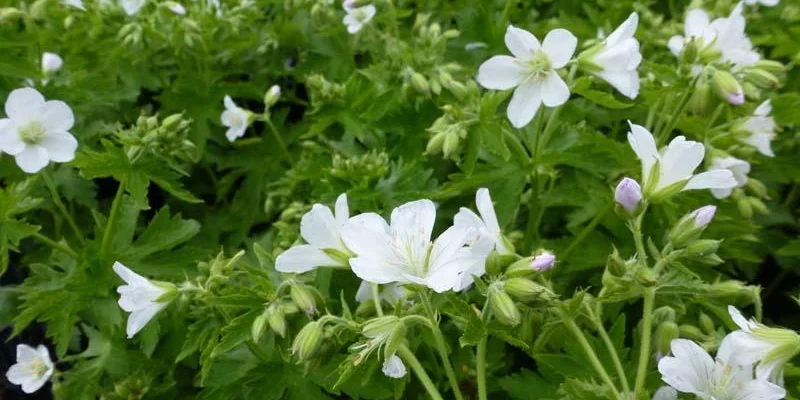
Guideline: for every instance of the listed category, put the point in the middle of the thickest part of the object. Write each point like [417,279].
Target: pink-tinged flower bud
[543,262]
[703,216]
[727,87]
[628,194]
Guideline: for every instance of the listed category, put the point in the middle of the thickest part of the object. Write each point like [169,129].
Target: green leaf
[163,233]
[603,98]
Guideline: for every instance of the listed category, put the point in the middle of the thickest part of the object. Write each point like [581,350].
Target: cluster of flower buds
[169,137]
[321,90]
[448,132]
[361,170]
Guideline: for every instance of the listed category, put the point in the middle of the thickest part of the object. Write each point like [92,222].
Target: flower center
[37,368]
[361,15]
[33,132]
[538,66]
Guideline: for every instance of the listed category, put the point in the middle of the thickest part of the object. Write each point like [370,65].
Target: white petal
[341,210]
[367,234]
[376,270]
[303,258]
[644,145]
[524,104]
[26,354]
[690,370]
[35,384]
[679,160]
[721,193]
[554,90]
[229,104]
[665,393]
[447,247]
[415,218]
[32,159]
[696,23]
[19,374]
[44,355]
[716,179]
[132,6]
[57,116]
[759,390]
[364,292]
[234,133]
[521,43]
[319,227]
[559,45]
[60,146]
[127,275]
[740,347]
[763,109]
[500,73]
[483,201]
[24,105]
[675,44]
[625,31]
[10,142]
[393,367]
[139,318]
[626,82]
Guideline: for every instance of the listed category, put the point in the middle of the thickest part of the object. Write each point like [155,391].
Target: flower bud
[774,67]
[258,326]
[8,14]
[727,87]
[691,226]
[690,52]
[706,323]
[436,143]
[527,290]
[503,308]
[451,34]
[419,83]
[745,207]
[302,296]
[758,188]
[272,96]
[703,247]
[733,291]
[520,268]
[172,122]
[762,79]
[451,143]
[646,277]
[307,341]
[758,205]
[628,195]
[543,261]
[395,339]
[701,99]
[276,320]
[51,62]
[615,265]
[496,263]
[380,327]
[665,333]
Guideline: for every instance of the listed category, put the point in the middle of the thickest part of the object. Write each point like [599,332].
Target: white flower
[665,393]
[697,27]
[672,169]
[761,128]
[75,3]
[393,367]
[770,347]
[486,224]
[532,70]
[739,168]
[176,8]
[768,3]
[692,370]
[37,131]
[322,231]
[618,57]
[132,7]
[51,62]
[236,119]
[726,35]
[33,368]
[390,292]
[140,297]
[403,252]
[356,18]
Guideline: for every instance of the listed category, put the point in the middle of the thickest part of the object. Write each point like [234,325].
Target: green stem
[644,349]
[376,298]
[678,113]
[61,207]
[587,348]
[58,246]
[280,141]
[601,330]
[480,367]
[638,239]
[112,216]
[412,361]
[441,347]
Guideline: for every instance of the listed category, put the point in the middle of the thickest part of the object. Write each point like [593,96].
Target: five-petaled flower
[37,131]
[691,370]
[533,70]
[33,368]
[403,251]
[672,169]
[321,230]
[617,58]
[356,17]
[768,347]
[235,118]
[141,297]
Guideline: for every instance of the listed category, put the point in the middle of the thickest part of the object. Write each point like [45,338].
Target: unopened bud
[745,207]
[665,333]
[732,291]
[762,79]
[436,143]
[520,268]
[259,324]
[272,96]
[646,277]
[628,195]
[496,263]
[543,261]
[51,62]
[176,8]
[615,265]
[758,205]
[503,308]
[691,332]
[172,122]
[307,341]
[701,99]
[304,299]
[451,34]
[381,326]
[419,83]
[276,320]
[527,290]
[774,67]
[727,87]
[451,143]
[395,339]
[689,52]
[758,188]
[702,247]
[706,323]
[691,225]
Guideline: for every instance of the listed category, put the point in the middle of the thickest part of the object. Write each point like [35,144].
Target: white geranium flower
[533,70]
[37,131]
[696,27]
[235,118]
[739,168]
[51,62]
[141,297]
[725,35]
[617,58]
[33,368]
[394,368]
[691,370]
[321,229]
[761,129]
[357,17]
[672,169]
[402,251]
[768,3]
[132,7]
[75,3]
[390,292]
[755,343]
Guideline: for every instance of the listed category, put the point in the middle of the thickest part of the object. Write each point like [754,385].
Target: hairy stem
[587,348]
[601,330]
[376,298]
[644,349]
[480,367]
[441,347]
